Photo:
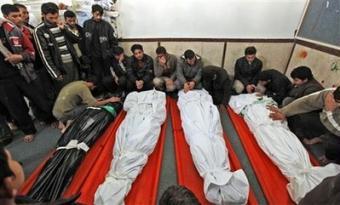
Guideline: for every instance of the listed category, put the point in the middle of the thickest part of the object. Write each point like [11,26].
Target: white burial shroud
[203,132]
[281,145]
[136,139]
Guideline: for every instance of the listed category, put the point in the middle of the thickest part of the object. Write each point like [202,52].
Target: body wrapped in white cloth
[136,139]
[281,145]
[203,132]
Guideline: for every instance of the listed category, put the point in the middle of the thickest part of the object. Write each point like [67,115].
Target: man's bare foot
[55,124]
[28,138]
[61,127]
[315,140]
[68,123]
[63,130]
[12,126]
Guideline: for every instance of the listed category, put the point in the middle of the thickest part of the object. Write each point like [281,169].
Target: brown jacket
[313,102]
[169,70]
[305,89]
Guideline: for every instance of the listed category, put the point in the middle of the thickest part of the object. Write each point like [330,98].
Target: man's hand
[250,88]
[114,99]
[186,87]
[330,104]
[192,85]
[121,57]
[139,84]
[162,60]
[275,113]
[61,24]
[14,58]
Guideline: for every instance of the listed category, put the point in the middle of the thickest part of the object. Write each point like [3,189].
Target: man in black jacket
[276,84]
[57,53]
[116,82]
[139,70]
[216,81]
[74,33]
[247,69]
[99,43]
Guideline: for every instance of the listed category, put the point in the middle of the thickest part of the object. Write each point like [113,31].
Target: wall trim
[256,40]
[290,58]
[326,49]
[223,54]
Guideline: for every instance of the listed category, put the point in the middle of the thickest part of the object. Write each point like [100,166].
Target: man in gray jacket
[165,70]
[327,123]
[189,71]
[303,84]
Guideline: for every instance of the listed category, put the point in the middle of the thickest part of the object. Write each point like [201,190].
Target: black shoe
[6,135]
[5,140]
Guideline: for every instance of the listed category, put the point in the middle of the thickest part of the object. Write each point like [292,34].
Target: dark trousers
[44,86]
[100,68]
[4,112]
[12,92]
[307,125]
[131,86]
[72,74]
[220,93]
[111,86]
[331,144]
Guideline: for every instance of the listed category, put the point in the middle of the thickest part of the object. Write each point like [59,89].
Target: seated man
[303,84]
[73,99]
[165,70]
[325,127]
[216,81]
[189,71]
[116,83]
[275,84]
[139,70]
[247,69]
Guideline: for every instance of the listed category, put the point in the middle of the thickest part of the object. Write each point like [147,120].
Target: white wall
[210,19]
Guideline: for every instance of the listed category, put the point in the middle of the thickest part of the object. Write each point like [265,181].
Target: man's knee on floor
[158,83]
[170,87]
[238,86]
[331,144]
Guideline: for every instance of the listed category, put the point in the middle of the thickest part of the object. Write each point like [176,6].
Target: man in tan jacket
[327,123]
